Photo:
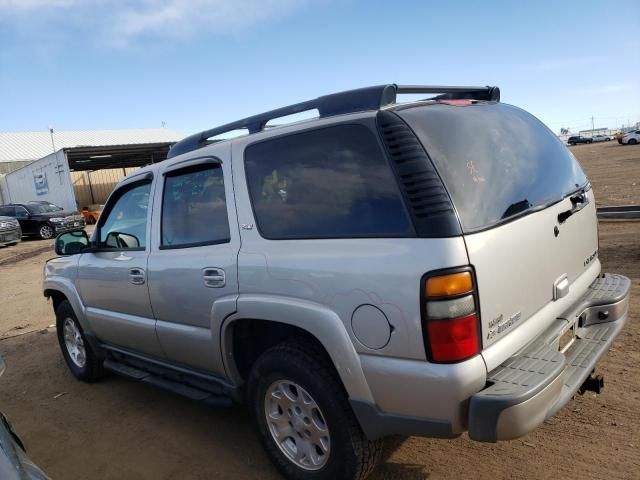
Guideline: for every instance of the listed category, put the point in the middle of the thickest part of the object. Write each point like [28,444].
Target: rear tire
[295,396]
[77,352]
[46,232]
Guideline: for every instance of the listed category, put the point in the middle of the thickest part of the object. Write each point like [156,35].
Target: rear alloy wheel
[304,418]
[46,232]
[297,425]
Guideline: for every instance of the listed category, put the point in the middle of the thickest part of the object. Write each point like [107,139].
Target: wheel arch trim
[317,320]
[66,288]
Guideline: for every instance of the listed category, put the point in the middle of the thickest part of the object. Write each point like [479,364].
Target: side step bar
[172,385]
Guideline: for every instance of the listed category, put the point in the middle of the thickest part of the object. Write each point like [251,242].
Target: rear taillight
[450,317]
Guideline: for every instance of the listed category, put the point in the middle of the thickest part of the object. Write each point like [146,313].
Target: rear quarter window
[329,183]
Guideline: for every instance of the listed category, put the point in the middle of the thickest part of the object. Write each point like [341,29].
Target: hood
[60,213]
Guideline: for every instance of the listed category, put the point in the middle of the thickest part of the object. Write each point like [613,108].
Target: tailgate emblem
[590,258]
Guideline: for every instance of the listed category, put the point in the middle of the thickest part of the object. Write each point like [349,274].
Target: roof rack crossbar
[350,101]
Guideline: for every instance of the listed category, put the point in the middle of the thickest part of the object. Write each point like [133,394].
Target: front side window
[328,183]
[126,224]
[21,212]
[194,208]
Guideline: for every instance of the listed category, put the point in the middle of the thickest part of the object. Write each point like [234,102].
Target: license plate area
[568,337]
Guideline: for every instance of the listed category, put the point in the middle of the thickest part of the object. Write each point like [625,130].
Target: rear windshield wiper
[579,201]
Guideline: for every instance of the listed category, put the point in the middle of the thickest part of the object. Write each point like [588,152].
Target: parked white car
[601,138]
[630,138]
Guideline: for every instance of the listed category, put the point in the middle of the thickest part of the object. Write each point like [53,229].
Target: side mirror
[70,243]
[122,240]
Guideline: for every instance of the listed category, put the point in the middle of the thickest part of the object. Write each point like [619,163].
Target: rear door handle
[137,276]
[213,277]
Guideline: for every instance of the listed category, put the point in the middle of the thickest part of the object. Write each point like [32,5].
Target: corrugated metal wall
[101,182]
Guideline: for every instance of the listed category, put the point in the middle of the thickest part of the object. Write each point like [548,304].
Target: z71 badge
[500,324]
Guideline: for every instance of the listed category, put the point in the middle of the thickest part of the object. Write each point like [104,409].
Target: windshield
[36,209]
[50,207]
[496,160]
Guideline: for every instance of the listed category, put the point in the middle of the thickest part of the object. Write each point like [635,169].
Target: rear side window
[497,161]
[7,212]
[194,208]
[329,183]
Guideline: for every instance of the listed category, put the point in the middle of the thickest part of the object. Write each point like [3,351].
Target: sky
[194,64]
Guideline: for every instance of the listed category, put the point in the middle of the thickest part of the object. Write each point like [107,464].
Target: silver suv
[423,268]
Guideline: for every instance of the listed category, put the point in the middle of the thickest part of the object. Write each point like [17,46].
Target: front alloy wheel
[46,232]
[74,343]
[297,424]
[76,349]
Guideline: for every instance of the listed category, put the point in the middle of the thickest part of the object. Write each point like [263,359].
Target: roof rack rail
[349,101]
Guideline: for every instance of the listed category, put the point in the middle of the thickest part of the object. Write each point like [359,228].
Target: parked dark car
[10,231]
[14,462]
[578,139]
[42,220]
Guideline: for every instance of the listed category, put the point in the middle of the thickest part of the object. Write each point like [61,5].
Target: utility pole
[53,144]
[592,127]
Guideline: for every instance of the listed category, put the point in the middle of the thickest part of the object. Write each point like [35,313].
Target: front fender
[324,324]
[66,287]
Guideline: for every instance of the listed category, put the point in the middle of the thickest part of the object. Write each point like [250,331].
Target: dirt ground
[120,429]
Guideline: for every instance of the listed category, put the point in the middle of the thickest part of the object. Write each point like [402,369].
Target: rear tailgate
[517,265]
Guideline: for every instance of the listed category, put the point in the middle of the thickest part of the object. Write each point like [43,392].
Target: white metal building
[75,168]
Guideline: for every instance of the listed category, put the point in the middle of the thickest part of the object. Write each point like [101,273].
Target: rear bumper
[533,385]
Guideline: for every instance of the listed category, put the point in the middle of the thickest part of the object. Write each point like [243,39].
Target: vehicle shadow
[390,470]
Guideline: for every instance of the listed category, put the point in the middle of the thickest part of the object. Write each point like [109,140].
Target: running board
[209,398]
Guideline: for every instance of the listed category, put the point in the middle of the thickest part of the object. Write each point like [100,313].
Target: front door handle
[136,276]
[213,277]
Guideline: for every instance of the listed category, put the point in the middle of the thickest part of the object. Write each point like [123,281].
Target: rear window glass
[194,208]
[328,183]
[496,160]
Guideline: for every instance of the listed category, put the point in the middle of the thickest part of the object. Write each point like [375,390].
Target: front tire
[77,352]
[633,141]
[46,232]
[306,424]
